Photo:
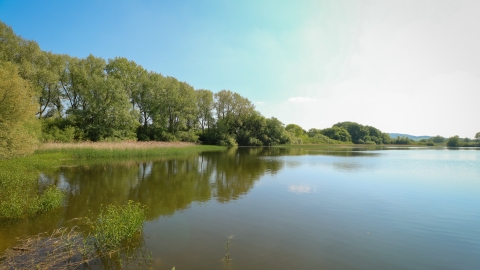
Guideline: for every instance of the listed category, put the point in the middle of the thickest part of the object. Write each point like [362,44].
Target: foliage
[116,225]
[50,199]
[454,142]
[18,126]
[402,140]
[356,131]
[19,187]
[58,130]
[337,133]
[438,139]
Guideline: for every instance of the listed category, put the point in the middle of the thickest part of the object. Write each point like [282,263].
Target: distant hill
[411,137]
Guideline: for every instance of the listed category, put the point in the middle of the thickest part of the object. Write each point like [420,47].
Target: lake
[288,208]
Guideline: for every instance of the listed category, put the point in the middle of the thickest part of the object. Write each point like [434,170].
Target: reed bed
[115,145]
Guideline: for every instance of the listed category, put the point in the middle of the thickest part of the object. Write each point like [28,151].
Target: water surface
[290,208]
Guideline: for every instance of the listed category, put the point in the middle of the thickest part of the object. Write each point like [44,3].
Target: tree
[296,130]
[454,141]
[204,107]
[313,131]
[438,139]
[477,136]
[337,133]
[18,126]
[104,110]
[47,84]
[179,104]
[357,131]
[130,75]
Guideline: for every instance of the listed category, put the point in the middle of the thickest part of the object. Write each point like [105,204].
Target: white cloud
[260,103]
[301,189]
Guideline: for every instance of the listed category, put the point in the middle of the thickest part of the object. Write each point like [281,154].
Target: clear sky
[399,65]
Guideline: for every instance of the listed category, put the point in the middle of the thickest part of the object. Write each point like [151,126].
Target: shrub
[227,141]
[116,225]
[50,199]
[186,136]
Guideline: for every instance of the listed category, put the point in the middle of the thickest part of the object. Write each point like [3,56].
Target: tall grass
[113,240]
[127,150]
[116,225]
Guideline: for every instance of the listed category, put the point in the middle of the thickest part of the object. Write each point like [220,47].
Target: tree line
[57,97]
[96,99]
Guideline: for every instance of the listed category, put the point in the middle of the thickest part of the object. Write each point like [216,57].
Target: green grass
[19,186]
[115,226]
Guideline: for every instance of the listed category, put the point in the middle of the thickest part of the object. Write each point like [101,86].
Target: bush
[254,142]
[116,225]
[55,134]
[227,141]
[51,198]
[165,137]
[186,136]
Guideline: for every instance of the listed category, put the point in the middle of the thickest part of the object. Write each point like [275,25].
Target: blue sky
[401,66]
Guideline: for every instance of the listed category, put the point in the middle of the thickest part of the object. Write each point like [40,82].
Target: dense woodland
[53,97]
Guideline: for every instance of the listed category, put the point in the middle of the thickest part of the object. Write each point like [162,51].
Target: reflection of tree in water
[164,186]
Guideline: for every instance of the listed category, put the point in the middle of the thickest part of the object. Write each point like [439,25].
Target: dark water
[290,208]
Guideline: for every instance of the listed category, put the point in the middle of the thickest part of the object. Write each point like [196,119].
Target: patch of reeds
[114,226]
[114,240]
[127,149]
[19,190]
[115,145]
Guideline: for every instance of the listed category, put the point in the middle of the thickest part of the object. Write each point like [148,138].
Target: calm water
[292,208]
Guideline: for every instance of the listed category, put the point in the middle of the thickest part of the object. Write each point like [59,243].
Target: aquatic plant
[116,225]
[114,239]
[227,254]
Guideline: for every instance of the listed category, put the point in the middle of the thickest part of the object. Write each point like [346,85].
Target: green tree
[130,75]
[205,107]
[477,136]
[454,141]
[357,131]
[179,103]
[47,84]
[18,125]
[296,130]
[337,133]
[438,139]
[105,109]
[313,131]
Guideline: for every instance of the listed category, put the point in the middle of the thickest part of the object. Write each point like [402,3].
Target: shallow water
[289,208]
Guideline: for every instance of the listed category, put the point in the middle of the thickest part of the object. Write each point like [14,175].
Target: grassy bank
[20,193]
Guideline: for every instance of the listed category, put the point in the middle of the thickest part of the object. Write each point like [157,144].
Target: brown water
[289,208]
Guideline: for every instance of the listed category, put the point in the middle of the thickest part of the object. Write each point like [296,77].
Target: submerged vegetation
[113,239]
